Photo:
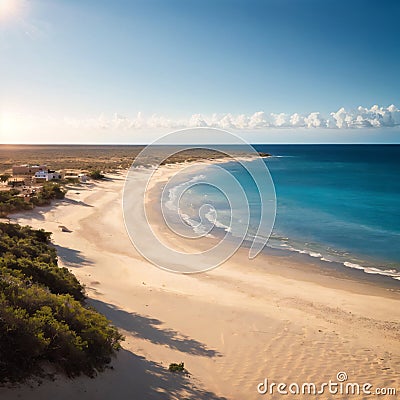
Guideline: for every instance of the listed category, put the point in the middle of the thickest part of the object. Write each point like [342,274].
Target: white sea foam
[393,273]
[374,271]
[352,265]
[316,255]
[212,217]
[308,252]
[171,203]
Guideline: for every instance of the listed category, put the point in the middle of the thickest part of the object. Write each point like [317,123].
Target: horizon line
[194,144]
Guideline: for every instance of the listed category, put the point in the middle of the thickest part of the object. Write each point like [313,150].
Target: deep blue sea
[338,203]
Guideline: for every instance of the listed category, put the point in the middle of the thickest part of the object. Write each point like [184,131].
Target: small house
[27,170]
[47,175]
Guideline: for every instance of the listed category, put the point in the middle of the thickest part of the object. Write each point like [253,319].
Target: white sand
[232,327]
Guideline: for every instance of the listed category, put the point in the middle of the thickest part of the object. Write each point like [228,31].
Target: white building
[27,170]
[47,175]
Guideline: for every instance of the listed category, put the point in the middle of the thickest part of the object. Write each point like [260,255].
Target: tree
[96,174]
[5,177]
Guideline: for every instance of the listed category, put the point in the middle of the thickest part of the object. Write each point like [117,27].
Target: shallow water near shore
[335,203]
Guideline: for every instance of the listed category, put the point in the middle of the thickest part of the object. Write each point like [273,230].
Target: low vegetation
[50,191]
[174,367]
[96,174]
[4,177]
[10,201]
[13,201]
[43,316]
[103,157]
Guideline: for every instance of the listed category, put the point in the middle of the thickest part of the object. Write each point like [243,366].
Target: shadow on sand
[76,202]
[150,329]
[71,258]
[144,379]
[132,377]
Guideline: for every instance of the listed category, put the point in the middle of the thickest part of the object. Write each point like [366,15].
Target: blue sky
[120,71]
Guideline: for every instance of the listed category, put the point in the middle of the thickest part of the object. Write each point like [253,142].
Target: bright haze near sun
[126,71]
[9,9]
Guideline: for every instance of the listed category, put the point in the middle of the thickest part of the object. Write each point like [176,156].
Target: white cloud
[226,122]
[361,117]
[257,120]
[196,120]
[296,120]
[314,120]
[279,119]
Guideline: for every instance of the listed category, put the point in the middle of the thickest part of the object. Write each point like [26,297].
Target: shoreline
[302,260]
[232,326]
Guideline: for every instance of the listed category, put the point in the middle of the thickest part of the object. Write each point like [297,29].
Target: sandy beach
[273,317]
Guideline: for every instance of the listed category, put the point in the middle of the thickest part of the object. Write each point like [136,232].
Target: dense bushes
[42,314]
[10,201]
[49,192]
[27,252]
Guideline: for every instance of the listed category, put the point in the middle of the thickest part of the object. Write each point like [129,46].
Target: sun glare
[9,8]
[8,127]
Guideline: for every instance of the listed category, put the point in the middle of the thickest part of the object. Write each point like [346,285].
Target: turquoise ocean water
[337,203]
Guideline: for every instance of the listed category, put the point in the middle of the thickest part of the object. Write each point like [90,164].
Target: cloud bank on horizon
[362,117]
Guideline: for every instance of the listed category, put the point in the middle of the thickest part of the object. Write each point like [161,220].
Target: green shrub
[43,316]
[96,174]
[5,177]
[49,191]
[26,250]
[10,201]
[174,367]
